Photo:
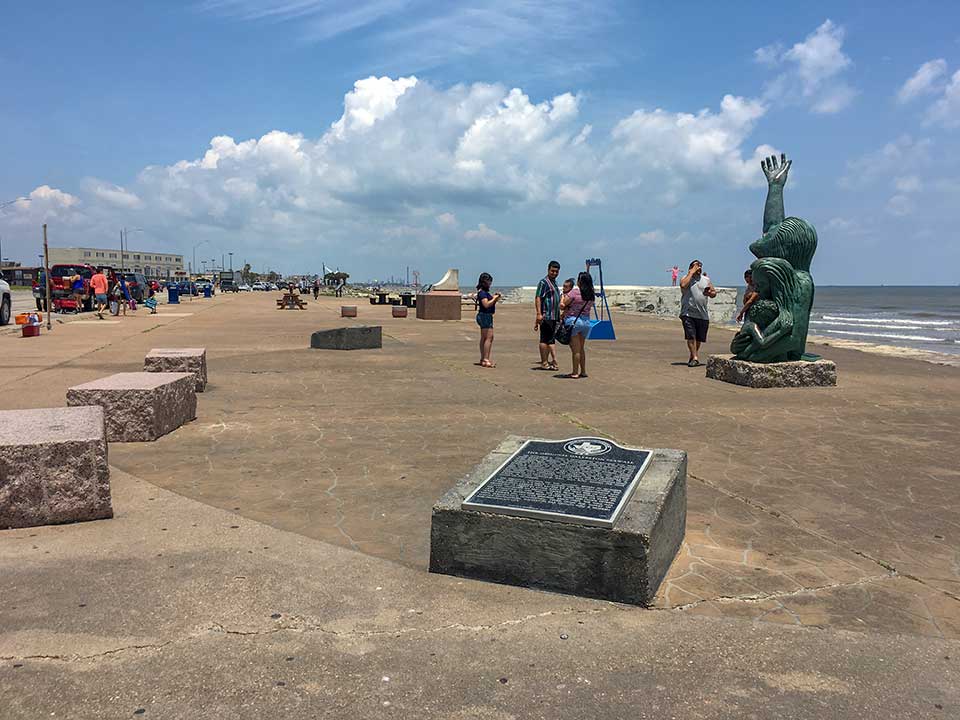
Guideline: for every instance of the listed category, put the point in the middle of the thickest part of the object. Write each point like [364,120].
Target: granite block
[53,466]
[799,373]
[359,337]
[140,406]
[179,360]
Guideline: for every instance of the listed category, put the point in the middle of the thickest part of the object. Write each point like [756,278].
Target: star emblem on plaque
[588,447]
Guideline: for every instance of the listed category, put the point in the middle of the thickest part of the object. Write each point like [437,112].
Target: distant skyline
[489,136]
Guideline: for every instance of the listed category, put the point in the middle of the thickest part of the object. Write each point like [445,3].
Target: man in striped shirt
[547,303]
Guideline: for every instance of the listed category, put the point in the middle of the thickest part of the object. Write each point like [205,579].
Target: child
[151,301]
[486,307]
[568,285]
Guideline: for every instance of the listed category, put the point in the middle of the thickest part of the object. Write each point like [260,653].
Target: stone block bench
[348,311]
[399,311]
[361,337]
[53,467]
[140,406]
[192,360]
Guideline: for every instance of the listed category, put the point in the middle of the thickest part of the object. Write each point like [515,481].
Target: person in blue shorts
[486,307]
[576,306]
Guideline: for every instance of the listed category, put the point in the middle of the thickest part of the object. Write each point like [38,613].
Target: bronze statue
[782,278]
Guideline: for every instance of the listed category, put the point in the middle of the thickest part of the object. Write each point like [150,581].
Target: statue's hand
[776,172]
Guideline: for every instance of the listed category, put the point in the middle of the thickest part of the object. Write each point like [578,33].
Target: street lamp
[124,235]
[231,261]
[195,254]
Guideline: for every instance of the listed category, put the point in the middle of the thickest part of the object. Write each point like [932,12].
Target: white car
[6,301]
[244,288]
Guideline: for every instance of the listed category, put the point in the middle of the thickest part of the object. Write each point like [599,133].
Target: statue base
[798,373]
[439,305]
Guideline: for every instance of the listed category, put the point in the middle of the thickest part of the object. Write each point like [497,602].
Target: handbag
[565,332]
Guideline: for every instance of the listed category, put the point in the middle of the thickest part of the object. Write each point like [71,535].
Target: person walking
[695,291]
[486,307]
[316,289]
[99,287]
[577,306]
[547,302]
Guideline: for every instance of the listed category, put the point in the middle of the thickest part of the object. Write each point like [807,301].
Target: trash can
[173,295]
[207,291]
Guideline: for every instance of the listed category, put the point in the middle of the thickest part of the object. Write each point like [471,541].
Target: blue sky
[491,135]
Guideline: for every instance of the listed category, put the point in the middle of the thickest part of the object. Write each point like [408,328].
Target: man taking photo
[695,291]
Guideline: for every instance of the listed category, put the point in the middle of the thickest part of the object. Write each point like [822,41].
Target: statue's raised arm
[776,173]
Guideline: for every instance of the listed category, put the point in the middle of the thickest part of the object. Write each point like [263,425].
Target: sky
[379,135]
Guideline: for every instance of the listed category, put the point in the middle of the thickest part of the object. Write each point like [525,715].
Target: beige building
[152,264]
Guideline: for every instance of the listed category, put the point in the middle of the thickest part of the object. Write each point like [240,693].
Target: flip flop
[571,376]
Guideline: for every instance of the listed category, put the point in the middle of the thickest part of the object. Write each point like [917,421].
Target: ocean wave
[891,321]
[889,336]
[875,326]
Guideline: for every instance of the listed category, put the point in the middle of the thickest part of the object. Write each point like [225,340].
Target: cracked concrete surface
[812,513]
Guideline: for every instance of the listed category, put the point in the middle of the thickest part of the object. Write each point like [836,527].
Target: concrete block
[53,466]
[348,311]
[140,406]
[399,312]
[799,373]
[179,360]
[439,305]
[361,337]
[625,563]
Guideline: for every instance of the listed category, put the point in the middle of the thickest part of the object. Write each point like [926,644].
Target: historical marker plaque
[583,480]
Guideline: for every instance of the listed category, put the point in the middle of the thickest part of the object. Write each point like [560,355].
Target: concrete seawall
[648,299]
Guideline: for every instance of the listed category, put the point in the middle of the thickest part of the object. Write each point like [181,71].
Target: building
[150,263]
[15,274]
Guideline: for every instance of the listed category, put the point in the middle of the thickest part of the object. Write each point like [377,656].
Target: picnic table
[290,301]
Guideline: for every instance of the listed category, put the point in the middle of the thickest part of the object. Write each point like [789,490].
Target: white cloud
[651,237]
[579,195]
[946,110]
[44,204]
[903,155]
[446,220]
[907,184]
[692,149]
[926,80]
[113,194]
[812,70]
[900,205]
[485,234]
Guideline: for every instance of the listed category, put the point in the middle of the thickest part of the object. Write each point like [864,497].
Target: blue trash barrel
[207,291]
[173,294]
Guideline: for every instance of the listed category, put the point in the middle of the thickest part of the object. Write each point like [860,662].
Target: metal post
[46,274]
[231,261]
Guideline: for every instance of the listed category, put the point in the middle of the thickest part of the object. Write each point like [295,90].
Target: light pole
[231,261]
[124,235]
[195,254]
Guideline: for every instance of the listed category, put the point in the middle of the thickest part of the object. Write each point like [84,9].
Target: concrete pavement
[830,510]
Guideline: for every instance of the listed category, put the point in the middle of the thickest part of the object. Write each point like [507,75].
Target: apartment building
[159,265]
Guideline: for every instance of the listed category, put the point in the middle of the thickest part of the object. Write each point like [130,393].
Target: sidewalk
[818,577]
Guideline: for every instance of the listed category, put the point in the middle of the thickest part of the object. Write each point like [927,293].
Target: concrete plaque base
[361,337]
[625,563]
[348,311]
[799,373]
[399,312]
[53,467]
[140,406]
[439,305]
[179,360]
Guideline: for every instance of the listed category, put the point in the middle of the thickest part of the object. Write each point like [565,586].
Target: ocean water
[927,318]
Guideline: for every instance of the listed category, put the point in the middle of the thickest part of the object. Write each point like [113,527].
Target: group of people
[117,298]
[563,314]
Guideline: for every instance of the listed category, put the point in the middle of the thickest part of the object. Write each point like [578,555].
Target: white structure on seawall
[645,298]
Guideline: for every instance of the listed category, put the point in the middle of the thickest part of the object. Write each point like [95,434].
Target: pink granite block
[399,311]
[53,466]
[179,360]
[348,311]
[140,406]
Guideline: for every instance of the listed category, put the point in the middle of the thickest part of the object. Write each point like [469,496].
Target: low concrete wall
[647,298]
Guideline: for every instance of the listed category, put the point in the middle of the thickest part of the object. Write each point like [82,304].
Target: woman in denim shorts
[486,307]
[577,306]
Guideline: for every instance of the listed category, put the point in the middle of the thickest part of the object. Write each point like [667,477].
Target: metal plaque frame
[469,504]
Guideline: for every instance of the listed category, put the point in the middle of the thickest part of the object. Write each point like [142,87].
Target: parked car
[60,283]
[136,284]
[202,284]
[244,288]
[260,286]
[6,300]
[188,287]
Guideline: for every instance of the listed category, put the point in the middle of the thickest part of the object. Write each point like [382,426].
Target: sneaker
[693,363]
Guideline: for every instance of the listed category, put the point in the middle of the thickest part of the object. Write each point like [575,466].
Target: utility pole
[231,261]
[46,274]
